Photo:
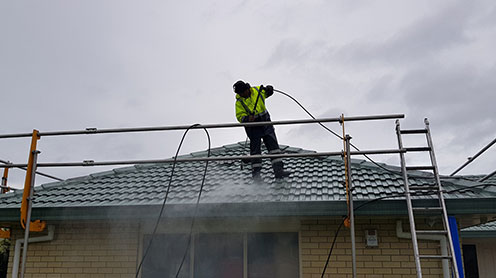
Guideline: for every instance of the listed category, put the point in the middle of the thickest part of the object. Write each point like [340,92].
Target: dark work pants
[268,135]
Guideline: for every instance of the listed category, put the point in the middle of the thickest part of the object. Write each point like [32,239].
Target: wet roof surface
[311,179]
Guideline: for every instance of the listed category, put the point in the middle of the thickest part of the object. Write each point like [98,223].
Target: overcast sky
[69,65]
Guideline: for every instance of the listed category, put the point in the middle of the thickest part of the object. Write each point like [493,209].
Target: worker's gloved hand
[269,90]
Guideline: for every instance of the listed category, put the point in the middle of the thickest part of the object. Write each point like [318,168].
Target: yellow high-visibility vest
[245,106]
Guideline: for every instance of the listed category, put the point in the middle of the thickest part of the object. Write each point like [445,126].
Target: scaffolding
[471,159]
[346,153]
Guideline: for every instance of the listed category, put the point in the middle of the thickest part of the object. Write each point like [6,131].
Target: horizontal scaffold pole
[37,172]
[487,177]
[212,158]
[470,159]
[200,126]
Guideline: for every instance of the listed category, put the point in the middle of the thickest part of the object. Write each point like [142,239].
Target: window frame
[244,235]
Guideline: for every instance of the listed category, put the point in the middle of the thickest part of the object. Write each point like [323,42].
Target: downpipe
[19,242]
[442,242]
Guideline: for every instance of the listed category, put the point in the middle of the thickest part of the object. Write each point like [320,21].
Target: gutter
[442,241]
[17,250]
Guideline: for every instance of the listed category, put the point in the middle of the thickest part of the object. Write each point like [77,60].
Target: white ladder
[436,187]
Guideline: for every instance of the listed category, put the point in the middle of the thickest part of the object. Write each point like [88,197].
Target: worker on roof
[250,107]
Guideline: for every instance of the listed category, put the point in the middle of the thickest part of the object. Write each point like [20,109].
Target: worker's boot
[279,172]
[282,174]
[257,177]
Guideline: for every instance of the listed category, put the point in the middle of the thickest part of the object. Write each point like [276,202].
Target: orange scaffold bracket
[38,225]
[4,233]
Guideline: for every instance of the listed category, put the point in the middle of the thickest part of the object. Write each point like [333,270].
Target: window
[165,256]
[273,255]
[224,255]
[219,255]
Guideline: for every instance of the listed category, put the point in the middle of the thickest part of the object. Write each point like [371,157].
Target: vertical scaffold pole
[351,213]
[4,188]
[28,217]
[27,197]
[349,222]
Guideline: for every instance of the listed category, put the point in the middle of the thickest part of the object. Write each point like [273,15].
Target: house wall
[486,255]
[102,249]
[392,258]
[83,249]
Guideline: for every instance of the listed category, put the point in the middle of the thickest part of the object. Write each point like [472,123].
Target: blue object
[456,244]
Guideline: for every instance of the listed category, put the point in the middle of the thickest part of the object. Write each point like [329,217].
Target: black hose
[145,254]
[339,136]
[196,208]
[332,247]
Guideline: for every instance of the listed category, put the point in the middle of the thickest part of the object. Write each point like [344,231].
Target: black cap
[240,86]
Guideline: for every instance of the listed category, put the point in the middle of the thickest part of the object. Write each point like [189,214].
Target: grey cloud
[422,40]
[419,41]
[288,51]
[456,96]
[383,89]
[486,16]
[452,91]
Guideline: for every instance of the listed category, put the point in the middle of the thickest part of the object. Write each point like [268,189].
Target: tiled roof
[486,227]
[478,177]
[486,230]
[312,179]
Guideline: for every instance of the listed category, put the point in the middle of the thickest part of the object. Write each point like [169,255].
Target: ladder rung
[434,257]
[428,209]
[413,131]
[418,149]
[410,168]
[432,232]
